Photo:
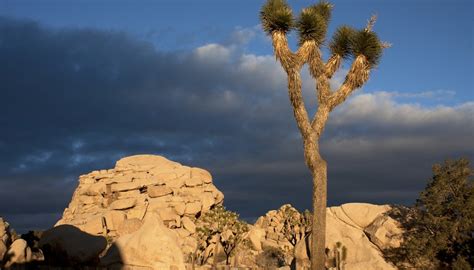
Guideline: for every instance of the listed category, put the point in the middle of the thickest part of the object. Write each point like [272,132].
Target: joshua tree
[365,49]
[219,226]
[296,225]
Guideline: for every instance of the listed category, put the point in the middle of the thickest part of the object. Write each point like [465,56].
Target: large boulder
[255,237]
[68,245]
[345,229]
[4,238]
[153,246]
[3,250]
[4,232]
[385,232]
[18,253]
[114,202]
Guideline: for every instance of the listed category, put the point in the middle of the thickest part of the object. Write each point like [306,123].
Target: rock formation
[13,250]
[361,229]
[4,238]
[358,227]
[114,203]
[145,212]
[18,253]
[152,246]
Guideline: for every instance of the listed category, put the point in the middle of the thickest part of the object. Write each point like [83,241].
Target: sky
[85,83]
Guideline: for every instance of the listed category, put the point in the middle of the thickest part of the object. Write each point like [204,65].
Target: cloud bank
[76,100]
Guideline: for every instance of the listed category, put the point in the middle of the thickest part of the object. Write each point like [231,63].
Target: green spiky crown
[341,43]
[276,15]
[368,44]
[312,24]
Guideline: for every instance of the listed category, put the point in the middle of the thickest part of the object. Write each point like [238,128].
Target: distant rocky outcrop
[356,233]
[14,250]
[116,202]
[5,238]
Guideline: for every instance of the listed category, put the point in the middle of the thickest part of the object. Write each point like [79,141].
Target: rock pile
[361,229]
[4,238]
[268,230]
[14,250]
[113,203]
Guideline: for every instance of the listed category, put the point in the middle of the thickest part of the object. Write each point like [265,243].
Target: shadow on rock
[66,245]
[407,220]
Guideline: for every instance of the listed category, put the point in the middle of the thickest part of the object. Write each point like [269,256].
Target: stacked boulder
[356,234]
[4,238]
[13,250]
[268,229]
[115,202]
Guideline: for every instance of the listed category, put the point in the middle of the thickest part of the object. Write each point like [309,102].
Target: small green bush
[271,258]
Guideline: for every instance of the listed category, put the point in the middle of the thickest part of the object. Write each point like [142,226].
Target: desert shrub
[439,228]
[296,225]
[271,258]
[219,226]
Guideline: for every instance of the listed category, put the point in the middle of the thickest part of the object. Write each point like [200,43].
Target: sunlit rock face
[14,251]
[115,202]
[362,229]
[5,238]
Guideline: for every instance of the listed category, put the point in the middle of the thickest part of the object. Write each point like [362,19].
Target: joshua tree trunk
[318,229]
[318,168]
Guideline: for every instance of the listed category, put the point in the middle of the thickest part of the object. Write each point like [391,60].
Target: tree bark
[318,232]
[317,166]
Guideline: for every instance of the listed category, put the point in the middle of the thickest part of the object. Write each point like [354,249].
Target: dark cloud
[76,100]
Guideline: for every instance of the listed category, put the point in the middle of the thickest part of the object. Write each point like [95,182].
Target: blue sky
[432,40]
[84,83]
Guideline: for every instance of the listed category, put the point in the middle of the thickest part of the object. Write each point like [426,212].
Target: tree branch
[320,119]
[296,99]
[332,65]
[292,64]
[283,53]
[355,78]
[305,52]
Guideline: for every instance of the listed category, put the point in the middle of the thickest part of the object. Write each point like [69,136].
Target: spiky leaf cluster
[367,44]
[313,23]
[276,15]
[324,9]
[341,43]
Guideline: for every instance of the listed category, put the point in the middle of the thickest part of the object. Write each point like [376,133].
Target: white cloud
[382,108]
[214,53]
